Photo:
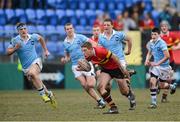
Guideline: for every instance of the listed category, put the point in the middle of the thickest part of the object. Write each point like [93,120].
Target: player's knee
[90,85]
[124,92]
[100,88]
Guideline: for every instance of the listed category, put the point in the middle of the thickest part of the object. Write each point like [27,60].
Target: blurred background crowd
[47,17]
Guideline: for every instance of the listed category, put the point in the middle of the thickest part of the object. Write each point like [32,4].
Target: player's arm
[148,57]
[12,49]
[176,47]
[124,71]
[66,58]
[43,44]
[129,44]
[166,57]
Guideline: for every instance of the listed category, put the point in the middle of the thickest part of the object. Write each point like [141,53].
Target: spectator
[118,23]
[147,23]
[5,4]
[175,21]
[100,19]
[165,15]
[129,24]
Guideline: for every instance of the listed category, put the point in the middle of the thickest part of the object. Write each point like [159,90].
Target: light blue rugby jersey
[157,48]
[74,47]
[27,52]
[115,44]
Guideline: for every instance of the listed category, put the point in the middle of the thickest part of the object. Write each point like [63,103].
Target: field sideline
[76,105]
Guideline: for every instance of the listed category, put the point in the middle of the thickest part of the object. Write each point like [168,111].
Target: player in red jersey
[172,42]
[96,31]
[111,68]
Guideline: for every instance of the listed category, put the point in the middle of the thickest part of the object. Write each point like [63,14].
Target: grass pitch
[76,105]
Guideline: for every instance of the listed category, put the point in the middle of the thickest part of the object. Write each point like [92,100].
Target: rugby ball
[84,65]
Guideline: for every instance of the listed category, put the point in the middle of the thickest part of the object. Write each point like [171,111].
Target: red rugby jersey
[171,39]
[103,58]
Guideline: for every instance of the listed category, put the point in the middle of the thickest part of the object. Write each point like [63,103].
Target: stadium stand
[49,16]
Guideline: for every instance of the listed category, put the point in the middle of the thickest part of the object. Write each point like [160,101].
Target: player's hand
[127,53]
[63,60]
[17,46]
[147,63]
[78,68]
[98,72]
[46,53]
[126,74]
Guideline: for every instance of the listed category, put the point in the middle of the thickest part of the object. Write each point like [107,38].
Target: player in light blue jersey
[72,46]
[160,70]
[115,41]
[24,46]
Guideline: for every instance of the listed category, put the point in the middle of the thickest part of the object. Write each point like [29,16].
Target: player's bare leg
[33,75]
[125,89]
[104,79]
[88,83]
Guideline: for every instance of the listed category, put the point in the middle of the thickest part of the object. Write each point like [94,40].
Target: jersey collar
[113,33]
[70,41]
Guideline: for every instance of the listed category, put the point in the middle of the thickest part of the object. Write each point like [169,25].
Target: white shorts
[164,73]
[36,61]
[79,73]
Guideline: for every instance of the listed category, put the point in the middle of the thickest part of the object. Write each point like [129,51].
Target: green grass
[76,105]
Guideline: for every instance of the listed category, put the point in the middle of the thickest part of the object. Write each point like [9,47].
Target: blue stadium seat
[92,5]
[102,6]
[31,15]
[120,6]
[60,29]
[73,4]
[128,3]
[83,21]
[20,14]
[32,29]
[82,5]
[11,18]
[155,17]
[2,50]
[70,13]
[52,17]
[9,30]
[6,44]
[61,16]
[73,20]
[60,13]
[62,4]
[79,13]
[60,48]
[51,3]
[51,29]
[88,29]
[41,17]
[91,16]
[3,20]
[52,47]
[99,12]
[111,6]
[148,7]
[89,13]
[79,29]
[41,29]
[1,30]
